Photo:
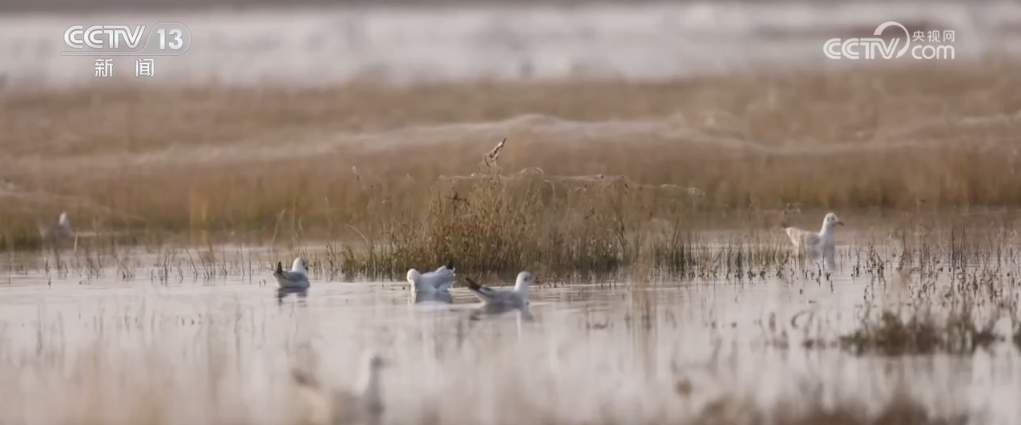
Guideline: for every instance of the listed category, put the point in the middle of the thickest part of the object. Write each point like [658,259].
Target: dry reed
[387,172]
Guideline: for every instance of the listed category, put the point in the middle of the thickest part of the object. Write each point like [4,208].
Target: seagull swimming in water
[816,244]
[504,299]
[434,285]
[296,278]
[363,405]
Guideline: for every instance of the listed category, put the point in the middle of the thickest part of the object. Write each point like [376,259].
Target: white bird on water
[434,285]
[504,299]
[321,405]
[816,244]
[296,278]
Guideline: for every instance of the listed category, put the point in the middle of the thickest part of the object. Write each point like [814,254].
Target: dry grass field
[584,160]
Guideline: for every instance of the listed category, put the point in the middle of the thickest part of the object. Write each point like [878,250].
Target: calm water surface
[220,351]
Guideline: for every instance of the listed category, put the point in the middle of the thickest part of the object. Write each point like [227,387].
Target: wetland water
[104,349]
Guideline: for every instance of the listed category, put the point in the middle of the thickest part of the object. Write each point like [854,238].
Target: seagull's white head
[830,221]
[524,280]
[413,276]
[64,220]
[298,265]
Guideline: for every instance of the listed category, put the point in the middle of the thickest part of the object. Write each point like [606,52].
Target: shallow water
[104,350]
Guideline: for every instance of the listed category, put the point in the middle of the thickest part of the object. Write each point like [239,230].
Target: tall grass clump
[499,222]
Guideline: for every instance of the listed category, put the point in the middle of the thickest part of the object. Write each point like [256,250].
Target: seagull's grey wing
[440,280]
[445,286]
[433,297]
[291,279]
[812,239]
[487,294]
[64,229]
[508,298]
[296,276]
[426,282]
[444,279]
[483,293]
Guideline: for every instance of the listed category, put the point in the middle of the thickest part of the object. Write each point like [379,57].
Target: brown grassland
[591,171]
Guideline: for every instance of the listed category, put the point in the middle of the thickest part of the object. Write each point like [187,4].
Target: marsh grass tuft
[501,223]
[893,335]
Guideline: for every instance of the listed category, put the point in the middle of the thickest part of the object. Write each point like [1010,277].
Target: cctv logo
[870,47]
[930,45]
[104,37]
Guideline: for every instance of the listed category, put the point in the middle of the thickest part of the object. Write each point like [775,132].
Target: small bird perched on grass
[494,154]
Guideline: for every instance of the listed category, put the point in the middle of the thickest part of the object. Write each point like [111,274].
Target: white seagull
[363,405]
[61,230]
[434,285]
[504,299]
[296,278]
[812,243]
[64,229]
